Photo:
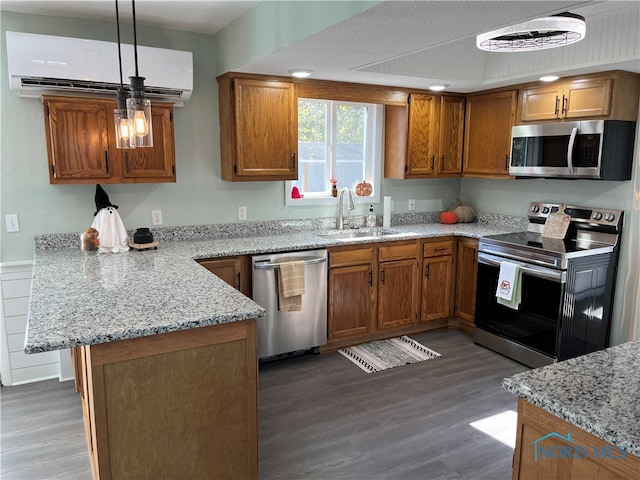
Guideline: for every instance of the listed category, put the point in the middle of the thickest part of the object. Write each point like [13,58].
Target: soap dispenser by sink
[371,218]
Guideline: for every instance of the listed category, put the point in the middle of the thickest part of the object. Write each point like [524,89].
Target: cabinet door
[77,141]
[542,103]
[451,135]
[436,288]
[351,301]
[157,163]
[466,277]
[422,140]
[587,98]
[232,270]
[266,130]
[489,118]
[397,293]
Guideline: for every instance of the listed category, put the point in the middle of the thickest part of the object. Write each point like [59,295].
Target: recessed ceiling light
[438,88]
[549,78]
[538,34]
[300,73]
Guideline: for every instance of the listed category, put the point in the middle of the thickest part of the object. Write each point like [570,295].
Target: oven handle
[556,276]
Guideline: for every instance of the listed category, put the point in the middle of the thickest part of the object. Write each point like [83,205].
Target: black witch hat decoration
[102,200]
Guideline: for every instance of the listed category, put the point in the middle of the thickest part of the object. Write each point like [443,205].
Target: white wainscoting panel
[15,366]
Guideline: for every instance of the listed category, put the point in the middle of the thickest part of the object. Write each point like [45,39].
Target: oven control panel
[539,211]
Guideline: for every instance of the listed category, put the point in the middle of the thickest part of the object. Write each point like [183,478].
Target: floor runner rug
[384,354]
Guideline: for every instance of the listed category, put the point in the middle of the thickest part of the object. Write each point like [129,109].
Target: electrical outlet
[242,213]
[412,204]
[156,217]
[12,223]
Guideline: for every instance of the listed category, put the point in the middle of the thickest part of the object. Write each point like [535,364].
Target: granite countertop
[83,298]
[598,392]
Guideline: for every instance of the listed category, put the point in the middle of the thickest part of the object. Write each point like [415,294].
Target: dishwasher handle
[307,261]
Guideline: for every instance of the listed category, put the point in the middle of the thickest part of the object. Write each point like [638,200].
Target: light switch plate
[12,223]
[242,213]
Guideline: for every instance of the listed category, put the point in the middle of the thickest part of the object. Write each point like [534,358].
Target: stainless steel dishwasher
[285,332]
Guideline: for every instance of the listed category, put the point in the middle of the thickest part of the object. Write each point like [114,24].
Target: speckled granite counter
[80,298]
[599,393]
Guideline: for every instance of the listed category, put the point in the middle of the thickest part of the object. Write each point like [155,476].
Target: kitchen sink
[356,234]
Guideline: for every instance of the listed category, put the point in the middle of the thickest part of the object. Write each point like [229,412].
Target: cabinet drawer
[350,257]
[435,249]
[397,252]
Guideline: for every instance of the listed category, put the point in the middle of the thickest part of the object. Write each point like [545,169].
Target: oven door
[530,333]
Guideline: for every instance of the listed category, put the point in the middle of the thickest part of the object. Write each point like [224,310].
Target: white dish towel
[507,280]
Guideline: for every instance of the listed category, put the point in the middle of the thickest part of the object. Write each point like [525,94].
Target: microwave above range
[592,149]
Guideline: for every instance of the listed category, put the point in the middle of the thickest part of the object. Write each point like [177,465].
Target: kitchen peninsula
[165,352]
[580,418]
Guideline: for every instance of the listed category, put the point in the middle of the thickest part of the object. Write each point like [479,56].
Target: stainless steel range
[566,286]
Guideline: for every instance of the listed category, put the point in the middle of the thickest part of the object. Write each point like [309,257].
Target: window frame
[373,161]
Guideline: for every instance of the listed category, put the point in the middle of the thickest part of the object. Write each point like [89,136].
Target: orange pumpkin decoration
[448,217]
[363,189]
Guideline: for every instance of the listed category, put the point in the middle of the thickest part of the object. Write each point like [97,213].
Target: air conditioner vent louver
[96,87]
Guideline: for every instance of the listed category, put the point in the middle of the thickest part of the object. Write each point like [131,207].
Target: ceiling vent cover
[538,34]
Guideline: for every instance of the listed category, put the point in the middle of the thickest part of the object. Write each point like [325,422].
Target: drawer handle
[441,249]
[238,286]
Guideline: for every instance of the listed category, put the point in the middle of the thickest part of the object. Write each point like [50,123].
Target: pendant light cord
[119,51]
[135,38]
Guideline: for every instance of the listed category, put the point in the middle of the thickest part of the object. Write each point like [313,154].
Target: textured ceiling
[400,43]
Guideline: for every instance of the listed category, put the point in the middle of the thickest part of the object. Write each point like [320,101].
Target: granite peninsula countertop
[81,298]
[598,392]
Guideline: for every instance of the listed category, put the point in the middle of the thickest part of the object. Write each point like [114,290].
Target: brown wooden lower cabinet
[466,278]
[236,271]
[542,452]
[352,292]
[438,275]
[174,405]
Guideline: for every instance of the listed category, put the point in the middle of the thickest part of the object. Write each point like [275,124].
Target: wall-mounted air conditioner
[44,64]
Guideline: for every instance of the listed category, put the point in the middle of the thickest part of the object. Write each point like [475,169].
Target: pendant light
[138,107]
[120,118]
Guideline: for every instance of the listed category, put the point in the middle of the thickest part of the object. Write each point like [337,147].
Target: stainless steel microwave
[595,149]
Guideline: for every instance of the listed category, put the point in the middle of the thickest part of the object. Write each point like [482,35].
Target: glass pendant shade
[139,115]
[121,122]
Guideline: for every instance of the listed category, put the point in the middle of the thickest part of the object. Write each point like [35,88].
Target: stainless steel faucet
[341,221]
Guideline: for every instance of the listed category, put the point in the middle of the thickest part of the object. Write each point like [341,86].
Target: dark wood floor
[320,417]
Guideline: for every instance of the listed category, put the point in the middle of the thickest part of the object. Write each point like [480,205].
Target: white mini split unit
[44,64]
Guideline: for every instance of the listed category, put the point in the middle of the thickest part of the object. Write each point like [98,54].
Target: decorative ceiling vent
[538,34]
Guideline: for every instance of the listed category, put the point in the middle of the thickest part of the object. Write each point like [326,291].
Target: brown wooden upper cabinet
[487,140]
[613,96]
[424,138]
[81,147]
[258,129]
